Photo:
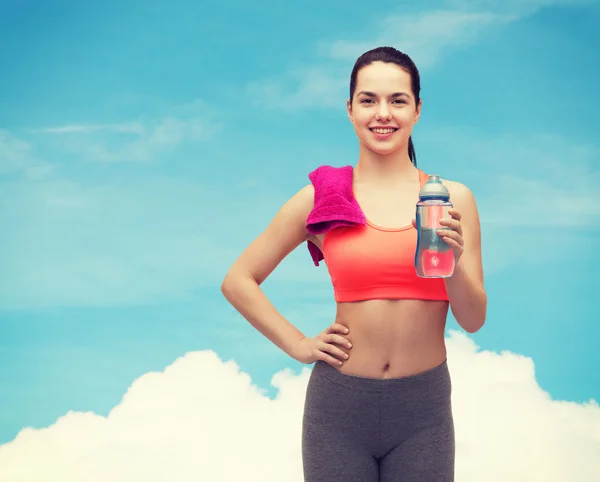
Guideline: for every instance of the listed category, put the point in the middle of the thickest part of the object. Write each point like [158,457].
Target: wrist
[292,348]
[456,273]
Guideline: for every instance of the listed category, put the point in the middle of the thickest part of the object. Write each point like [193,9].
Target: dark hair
[392,56]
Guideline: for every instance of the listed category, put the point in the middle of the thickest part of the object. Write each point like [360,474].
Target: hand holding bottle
[452,236]
[439,233]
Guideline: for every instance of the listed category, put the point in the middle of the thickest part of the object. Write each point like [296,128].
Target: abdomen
[393,338]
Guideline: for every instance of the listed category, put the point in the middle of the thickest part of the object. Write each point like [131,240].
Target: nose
[383,112]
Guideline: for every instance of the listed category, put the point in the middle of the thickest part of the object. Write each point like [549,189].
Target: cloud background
[143,146]
[223,427]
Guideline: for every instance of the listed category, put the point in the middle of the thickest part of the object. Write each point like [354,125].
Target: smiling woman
[398,110]
[378,403]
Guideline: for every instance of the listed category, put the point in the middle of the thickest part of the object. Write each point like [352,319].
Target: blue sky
[144,145]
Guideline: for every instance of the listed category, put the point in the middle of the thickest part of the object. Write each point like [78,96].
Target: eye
[364,101]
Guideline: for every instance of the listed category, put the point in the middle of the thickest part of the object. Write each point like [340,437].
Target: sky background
[143,145]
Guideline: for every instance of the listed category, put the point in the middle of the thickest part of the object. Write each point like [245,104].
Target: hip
[333,396]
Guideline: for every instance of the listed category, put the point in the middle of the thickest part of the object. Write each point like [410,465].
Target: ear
[349,110]
[418,112]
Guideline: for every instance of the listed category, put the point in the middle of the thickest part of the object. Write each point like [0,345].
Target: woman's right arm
[241,286]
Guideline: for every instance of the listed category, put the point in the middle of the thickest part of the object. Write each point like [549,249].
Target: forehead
[380,77]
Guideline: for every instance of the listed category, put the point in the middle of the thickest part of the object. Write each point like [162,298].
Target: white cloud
[530,180]
[515,8]
[133,241]
[536,193]
[138,239]
[202,419]
[138,141]
[425,36]
[14,153]
[301,88]
[17,156]
[95,244]
[133,127]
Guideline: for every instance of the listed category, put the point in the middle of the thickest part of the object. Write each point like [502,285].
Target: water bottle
[434,257]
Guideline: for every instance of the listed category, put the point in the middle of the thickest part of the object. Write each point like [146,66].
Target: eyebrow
[394,95]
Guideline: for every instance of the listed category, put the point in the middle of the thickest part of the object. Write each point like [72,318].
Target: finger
[452,223]
[334,350]
[447,233]
[329,359]
[452,242]
[455,214]
[451,234]
[338,328]
[340,340]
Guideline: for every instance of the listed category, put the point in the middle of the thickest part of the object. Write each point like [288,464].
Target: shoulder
[464,201]
[326,171]
[459,192]
[301,202]
[306,196]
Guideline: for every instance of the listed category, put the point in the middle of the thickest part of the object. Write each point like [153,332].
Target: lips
[382,131]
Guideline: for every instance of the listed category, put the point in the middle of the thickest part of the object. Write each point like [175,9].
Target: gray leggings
[358,429]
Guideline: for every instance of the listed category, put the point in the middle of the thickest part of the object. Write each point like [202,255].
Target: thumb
[414,223]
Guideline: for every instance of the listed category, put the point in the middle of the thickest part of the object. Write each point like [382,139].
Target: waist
[436,377]
[435,291]
[392,338]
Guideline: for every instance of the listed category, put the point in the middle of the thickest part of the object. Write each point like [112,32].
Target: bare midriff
[393,338]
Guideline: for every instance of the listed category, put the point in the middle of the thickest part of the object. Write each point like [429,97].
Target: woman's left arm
[466,293]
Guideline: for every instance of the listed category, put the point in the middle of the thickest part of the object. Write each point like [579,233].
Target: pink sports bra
[372,262]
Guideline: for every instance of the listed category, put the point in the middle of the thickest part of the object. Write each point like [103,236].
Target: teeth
[383,131]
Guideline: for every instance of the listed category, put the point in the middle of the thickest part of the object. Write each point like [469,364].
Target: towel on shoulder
[334,204]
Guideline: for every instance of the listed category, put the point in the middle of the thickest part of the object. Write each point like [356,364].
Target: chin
[383,150]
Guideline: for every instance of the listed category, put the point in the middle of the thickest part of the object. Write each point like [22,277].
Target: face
[383,109]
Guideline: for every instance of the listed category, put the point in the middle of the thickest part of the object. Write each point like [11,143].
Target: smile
[383,130]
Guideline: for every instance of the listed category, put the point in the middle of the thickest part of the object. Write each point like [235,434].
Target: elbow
[474,326]
[473,320]
[227,286]
[232,282]
[479,320]
[473,323]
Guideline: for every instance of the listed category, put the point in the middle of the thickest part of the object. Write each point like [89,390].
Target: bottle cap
[434,189]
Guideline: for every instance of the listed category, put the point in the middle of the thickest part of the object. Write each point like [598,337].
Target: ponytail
[411,152]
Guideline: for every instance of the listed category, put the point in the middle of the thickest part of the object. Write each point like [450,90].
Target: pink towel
[334,204]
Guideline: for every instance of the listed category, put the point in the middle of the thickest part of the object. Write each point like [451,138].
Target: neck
[388,168]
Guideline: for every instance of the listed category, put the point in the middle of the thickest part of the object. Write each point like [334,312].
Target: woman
[378,400]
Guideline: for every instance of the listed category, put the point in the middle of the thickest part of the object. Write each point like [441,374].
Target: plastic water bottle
[434,257]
